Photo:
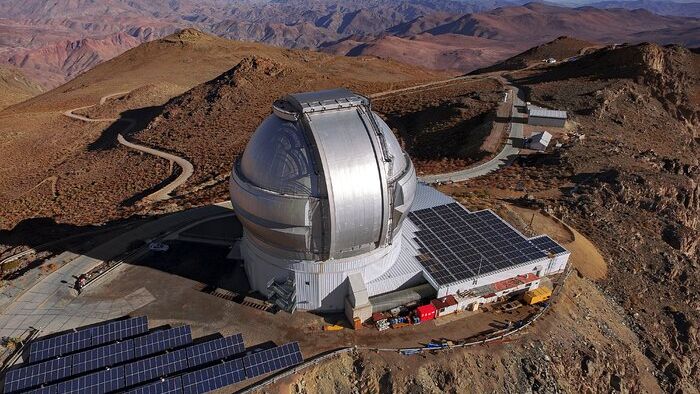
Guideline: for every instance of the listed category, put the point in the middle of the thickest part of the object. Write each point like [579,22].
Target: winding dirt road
[162,193]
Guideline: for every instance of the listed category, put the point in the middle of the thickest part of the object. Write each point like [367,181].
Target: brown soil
[95,180]
[462,113]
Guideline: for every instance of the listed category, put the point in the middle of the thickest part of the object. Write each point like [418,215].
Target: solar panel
[274,359]
[458,245]
[546,244]
[214,377]
[217,349]
[165,386]
[155,367]
[37,374]
[59,345]
[120,329]
[103,356]
[162,340]
[95,383]
[43,390]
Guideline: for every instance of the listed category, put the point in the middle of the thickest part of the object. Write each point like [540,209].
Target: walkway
[504,158]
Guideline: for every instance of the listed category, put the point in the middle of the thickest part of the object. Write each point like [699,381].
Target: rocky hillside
[55,41]
[55,167]
[15,87]
[560,49]
[634,187]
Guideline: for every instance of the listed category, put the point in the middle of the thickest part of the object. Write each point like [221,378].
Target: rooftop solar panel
[37,374]
[547,244]
[95,383]
[158,341]
[58,345]
[120,329]
[214,377]
[165,386]
[274,359]
[103,356]
[155,367]
[459,245]
[217,349]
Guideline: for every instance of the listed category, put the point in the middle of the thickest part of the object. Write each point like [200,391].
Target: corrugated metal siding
[428,197]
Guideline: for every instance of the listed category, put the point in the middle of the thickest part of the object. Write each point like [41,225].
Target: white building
[537,116]
[539,141]
[333,215]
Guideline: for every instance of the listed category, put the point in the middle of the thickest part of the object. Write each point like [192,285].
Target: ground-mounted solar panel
[161,340]
[43,390]
[100,382]
[214,377]
[164,386]
[155,367]
[117,330]
[459,245]
[270,360]
[37,374]
[217,349]
[59,345]
[103,356]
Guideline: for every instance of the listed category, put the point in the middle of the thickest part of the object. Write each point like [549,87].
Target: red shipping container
[426,312]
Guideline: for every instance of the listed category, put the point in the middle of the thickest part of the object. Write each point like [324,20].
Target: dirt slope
[15,87]
[632,185]
[75,173]
[559,49]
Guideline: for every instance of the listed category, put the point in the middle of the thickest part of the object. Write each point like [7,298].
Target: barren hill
[55,41]
[637,177]
[562,48]
[56,167]
[15,87]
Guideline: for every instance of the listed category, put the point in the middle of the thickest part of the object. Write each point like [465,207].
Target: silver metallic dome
[322,177]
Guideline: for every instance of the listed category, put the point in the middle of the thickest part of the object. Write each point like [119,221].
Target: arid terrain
[213,89]
[54,42]
[626,177]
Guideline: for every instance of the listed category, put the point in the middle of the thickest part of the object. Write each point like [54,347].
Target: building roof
[546,113]
[444,302]
[457,245]
[542,137]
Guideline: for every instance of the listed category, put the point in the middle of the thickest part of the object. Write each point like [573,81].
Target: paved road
[502,159]
[164,192]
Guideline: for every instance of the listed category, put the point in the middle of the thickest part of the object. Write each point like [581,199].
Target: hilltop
[192,94]
[560,49]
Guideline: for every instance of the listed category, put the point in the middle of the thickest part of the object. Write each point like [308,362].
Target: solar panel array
[37,374]
[81,339]
[548,245]
[214,377]
[269,360]
[158,341]
[120,329]
[164,386]
[95,383]
[155,367]
[458,245]
[216,349]
[107,368]
[103,356]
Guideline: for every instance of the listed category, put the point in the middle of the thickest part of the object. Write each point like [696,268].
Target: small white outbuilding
[539,141]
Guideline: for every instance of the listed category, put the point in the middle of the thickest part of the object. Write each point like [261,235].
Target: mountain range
[53,42]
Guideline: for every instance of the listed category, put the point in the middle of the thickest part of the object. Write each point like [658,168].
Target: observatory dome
[322,180]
